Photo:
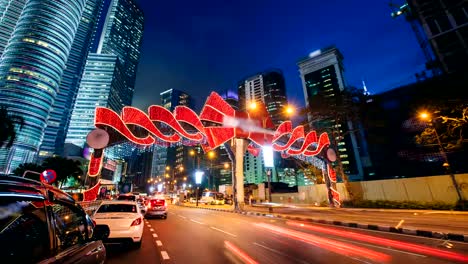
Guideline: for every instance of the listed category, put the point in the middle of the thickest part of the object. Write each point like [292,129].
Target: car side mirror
[101,232]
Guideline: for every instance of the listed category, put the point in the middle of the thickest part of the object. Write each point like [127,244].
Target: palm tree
[8,125]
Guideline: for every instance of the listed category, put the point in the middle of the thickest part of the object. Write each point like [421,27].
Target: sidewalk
[451,225]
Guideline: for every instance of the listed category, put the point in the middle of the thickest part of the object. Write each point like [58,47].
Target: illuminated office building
[31,68]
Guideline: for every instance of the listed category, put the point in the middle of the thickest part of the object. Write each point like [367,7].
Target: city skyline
[226,43]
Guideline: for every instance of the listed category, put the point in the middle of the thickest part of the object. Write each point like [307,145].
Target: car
[124,219]
[156,207]
[127,197]
[42,224]
[142,204]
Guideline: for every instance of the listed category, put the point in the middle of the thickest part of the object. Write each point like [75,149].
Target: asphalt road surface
[192,235]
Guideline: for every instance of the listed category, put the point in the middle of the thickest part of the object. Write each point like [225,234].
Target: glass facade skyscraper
[10,11]
[31,68]
[122,36]
[101,85]
[109,76]
[59,119]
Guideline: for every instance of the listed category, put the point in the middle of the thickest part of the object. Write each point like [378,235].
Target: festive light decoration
[206,129]
[92,193]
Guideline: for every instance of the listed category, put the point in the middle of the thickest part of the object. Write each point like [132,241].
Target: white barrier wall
[421,189]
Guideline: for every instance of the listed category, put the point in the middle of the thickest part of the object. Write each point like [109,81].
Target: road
[192,235]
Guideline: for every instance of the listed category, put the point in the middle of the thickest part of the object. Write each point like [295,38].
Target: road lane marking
[390,249]
[164,255]
[155,235]
[183,217]
[148,225]
[196,222]
[159,243]
[217,229]
[280,253]
[151,229]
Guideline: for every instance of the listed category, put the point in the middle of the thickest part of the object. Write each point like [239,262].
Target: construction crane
[405,10]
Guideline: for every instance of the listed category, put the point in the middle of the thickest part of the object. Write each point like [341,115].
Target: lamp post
[426,116]
[198,180]
[211,156]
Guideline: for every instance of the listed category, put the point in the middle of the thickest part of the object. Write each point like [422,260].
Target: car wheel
[165,216]
[137,245]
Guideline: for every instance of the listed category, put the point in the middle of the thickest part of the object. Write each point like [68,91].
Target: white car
[124,219]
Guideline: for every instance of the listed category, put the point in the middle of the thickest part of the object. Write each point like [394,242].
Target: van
[213,198]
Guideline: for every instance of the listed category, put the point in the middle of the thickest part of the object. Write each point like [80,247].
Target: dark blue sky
[206,45]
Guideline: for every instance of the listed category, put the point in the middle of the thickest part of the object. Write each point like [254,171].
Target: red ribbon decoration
[92,193]
[210,136]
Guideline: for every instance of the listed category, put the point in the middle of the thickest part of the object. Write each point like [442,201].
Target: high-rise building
[109,75]
[322,74]
[31,68]
[59,119]
[10,11]
[175,158]
[101,85]
[445,23]
[122,36]
[269,88]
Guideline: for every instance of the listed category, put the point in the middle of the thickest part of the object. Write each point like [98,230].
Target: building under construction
[445,26]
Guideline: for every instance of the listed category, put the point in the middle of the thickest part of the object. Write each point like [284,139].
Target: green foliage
[451,124]
[31,167]
[405,205]
[63,167]
[8,127]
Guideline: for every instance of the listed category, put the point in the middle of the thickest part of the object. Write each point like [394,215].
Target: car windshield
[117,208]
[126,198]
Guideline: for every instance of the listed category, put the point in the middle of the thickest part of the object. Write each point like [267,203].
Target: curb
[413,232]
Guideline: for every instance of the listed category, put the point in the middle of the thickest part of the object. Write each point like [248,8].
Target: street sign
[48,176]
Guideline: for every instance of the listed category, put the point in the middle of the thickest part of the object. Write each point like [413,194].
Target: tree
[31,167]
[330,113]
[63,167]
[8,126]
[451,124]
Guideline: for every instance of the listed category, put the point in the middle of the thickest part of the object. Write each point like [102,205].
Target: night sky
[207,45]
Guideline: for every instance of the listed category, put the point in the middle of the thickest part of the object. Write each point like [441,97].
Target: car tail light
[136,222]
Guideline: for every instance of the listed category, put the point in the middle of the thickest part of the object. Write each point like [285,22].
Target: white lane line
[151,229]
[183,217]
[385,248]
[217,229]
[164,255]
[155,235]
[196,222]
[281,253]
[159,243]
[148,225]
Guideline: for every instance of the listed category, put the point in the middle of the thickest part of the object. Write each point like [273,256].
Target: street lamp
[211,156]
[198,180]
[289,110]
[427,117]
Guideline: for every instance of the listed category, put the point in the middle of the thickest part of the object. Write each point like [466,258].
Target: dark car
[41,224]
[127,197]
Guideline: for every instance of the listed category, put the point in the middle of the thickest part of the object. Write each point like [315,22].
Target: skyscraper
[269,88]
[59,119]
[322,74]
[176,158]
[10,11]
[31,67]
[101,85]
[109,75]
[446,26]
